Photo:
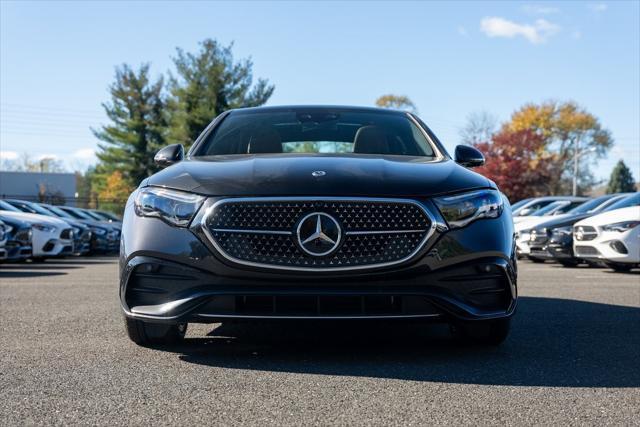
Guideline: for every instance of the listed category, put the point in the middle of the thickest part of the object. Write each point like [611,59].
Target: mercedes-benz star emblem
[318,234]
[318,174]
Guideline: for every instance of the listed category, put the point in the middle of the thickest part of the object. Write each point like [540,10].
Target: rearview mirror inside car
[169,155]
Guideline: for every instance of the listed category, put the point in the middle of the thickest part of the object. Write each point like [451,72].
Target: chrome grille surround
[585,232]
[374,230]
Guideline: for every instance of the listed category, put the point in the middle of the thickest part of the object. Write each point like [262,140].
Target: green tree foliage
[621,180]
[566,128]
[396,102]
[208,83]
[137,126]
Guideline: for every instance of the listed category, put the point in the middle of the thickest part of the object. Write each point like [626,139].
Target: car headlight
[461,210]
[174,207]
[44,228]
[99,231]
[565,231]
[620,226]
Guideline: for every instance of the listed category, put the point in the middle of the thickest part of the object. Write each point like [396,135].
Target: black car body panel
[289,175]
[174,274]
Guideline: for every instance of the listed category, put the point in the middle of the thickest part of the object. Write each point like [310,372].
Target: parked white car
[612,237]
[524,224]
[558,207]
[51,237]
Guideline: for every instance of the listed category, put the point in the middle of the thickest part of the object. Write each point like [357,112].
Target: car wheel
[622,268]
[536,260]
[486,332]
[568,263]
[154,334]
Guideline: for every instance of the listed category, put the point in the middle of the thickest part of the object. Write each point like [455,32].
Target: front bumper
[170,274]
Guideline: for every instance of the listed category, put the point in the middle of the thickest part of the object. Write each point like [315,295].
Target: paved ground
[572,358]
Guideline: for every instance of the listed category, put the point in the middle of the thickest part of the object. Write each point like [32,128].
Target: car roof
[289,108]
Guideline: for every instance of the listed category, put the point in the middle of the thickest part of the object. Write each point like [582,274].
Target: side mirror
[169,155]
[468,156]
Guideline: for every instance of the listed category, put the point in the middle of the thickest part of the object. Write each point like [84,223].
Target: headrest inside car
[370,140]
[265,140]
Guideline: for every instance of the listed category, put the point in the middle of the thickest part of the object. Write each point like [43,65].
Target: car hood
[291,174]
[36,219]
[534,221]
[631,213]
[13,221]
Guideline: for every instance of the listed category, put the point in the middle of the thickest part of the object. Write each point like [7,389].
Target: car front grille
[586,251]
[22,236]
[264,232]
[585,233]
[538,237]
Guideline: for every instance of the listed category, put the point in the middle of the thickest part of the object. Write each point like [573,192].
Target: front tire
[484,332]
[154,334]
[568,263]
[620,268]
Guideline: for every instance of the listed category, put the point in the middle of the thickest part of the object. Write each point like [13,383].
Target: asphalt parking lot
[572,358]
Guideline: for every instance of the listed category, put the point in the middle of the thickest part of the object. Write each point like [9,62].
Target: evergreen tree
[136,129]
[621,180]
[208,83]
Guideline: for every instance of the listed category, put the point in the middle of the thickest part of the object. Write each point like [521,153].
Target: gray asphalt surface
[572,358]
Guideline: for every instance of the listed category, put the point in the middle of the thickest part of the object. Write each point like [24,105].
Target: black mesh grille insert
[265,232]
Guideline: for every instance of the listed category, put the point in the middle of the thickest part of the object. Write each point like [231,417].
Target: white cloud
[8,155]
[536,33]
[84,153]
[462,31]
[597,7]
[534,9]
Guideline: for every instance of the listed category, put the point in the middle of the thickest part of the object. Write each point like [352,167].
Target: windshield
[625,203]
[516,205]
[549,208]
[77,214]
[589,206]
[58,212]
[4,206]
[107,215]
[93,215]
[39,209]
[317,130]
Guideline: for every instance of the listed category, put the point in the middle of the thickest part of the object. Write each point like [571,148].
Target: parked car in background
[51,237]
[553,239]
[107,215]
[81,232]
[102,235]
[113,232]
[535,204]
[612,237]
[115,224]
[18,238]
[555,209]
[4,236]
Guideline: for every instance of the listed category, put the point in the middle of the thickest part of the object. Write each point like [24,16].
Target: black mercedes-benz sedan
[317,213]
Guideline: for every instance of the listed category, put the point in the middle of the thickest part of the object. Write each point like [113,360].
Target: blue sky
[454,58]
